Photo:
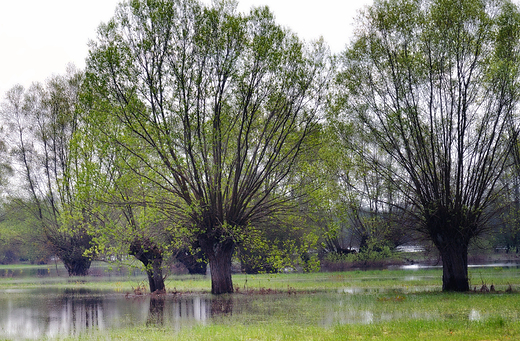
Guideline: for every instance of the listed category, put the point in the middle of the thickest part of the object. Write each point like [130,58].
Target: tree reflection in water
[186,309]
[76,314]
[156,311]
[221,306]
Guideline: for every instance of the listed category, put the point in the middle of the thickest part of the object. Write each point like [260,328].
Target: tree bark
[219,255]
[155,277]
[151,256]
[454,253]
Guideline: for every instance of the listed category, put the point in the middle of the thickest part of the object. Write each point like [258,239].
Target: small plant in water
[139,290]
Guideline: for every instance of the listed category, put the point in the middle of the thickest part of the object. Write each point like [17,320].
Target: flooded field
[53,311]
[37,314]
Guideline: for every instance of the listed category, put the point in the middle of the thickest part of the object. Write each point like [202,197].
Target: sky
[39,38]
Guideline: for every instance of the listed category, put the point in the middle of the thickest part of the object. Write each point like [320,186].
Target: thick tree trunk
[77,266]
[155,277]
[71,249]
[151,257]
[454,265]
[363,243]
[451,231]
[219,255]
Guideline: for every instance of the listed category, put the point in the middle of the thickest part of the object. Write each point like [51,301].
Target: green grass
[402,330]
[493,329]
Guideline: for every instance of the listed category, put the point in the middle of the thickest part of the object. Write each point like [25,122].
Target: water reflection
[366,316]
[373,290]
[72,315]
[33,314]
[222,306]
[156,311]
[26,316]
[474,315]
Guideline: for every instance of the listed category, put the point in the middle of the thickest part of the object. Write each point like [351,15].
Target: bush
[366,255]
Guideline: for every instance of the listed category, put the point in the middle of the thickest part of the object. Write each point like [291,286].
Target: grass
[402,330]
[493,328]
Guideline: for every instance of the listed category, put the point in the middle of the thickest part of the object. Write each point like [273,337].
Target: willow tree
[433,84]
[41,122]
[216,106]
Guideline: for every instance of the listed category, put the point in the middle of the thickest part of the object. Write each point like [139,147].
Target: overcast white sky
[39,38]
